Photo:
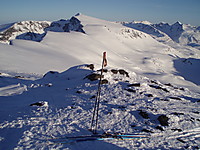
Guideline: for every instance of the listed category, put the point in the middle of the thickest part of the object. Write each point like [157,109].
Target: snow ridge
[36,30]
[180,33]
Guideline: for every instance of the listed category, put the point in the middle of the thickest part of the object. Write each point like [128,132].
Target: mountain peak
[178,23]
[78,14]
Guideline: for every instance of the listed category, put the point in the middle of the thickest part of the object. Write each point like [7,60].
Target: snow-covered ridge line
[36,30]
[180,33]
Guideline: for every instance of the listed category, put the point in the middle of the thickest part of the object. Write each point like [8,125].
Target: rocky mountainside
[36,30]
[29,30]
[180,33]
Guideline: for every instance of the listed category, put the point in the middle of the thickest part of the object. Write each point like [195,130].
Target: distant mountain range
[180,33]
[163,32]
[36,30]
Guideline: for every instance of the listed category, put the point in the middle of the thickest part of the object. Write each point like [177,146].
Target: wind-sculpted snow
[128,104]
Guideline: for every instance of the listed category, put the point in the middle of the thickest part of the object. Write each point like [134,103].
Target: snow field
[70,107]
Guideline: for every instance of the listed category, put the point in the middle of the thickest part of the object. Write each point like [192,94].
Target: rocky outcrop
[62,25]
[36,30]
[28,30]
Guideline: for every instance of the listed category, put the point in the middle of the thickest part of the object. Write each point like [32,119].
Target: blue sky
[155,11]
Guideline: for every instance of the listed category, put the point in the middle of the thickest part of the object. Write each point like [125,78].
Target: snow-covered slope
[163,80]
[129,104]
[181,33]
[126,47]
[149,29]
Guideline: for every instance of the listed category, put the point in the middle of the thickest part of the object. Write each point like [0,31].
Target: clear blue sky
[155,11]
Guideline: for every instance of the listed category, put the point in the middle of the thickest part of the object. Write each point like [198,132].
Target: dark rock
[105,101]
[110,112]
[146,130]
[180,140]
[133,125]
[148,95]
[50,73]
[175,98]
[73,107]
[91,66]
[66,26]
[160,128]
[104,70]
[192,119]
[131,90]
[163,119]
[104,81]
[134,85]
[40,104]
[164,89]
[114,71]
[144,114]
[168,84]
[94,96]
[123,72]
[79,92]
[177,114]
[154,81]
[93,77]
[18,77]
[155,86]
[158,87]
[179,130]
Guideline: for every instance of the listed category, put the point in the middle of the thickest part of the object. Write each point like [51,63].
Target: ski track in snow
[70,107]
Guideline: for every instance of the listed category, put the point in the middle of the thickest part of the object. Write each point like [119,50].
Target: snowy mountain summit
[50,73]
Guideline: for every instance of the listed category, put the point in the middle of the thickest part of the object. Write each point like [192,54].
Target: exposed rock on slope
[36,30]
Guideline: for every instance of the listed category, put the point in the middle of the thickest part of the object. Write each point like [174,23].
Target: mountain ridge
[163,32]
[36,30]
[48,88]
[184,34]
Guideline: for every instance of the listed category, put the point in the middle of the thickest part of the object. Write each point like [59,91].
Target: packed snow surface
[151,85]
